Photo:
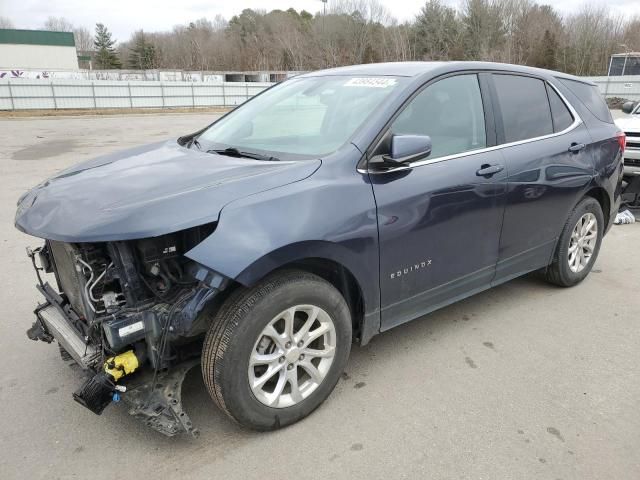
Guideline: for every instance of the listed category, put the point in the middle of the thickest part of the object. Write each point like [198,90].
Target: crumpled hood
[630,123]
[145,192]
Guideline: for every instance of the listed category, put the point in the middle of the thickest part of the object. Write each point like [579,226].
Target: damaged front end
[129,313]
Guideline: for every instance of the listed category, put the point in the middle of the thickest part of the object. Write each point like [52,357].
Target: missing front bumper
[156,402]
[152,396]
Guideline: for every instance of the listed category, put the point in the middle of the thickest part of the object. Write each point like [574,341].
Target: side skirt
[436,298]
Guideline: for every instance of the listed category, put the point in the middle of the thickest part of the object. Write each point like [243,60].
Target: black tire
[558,272]
[238,325]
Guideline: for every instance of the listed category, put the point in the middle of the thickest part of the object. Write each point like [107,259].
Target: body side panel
[608,160]
[439,234]
[329,215]
[545,182]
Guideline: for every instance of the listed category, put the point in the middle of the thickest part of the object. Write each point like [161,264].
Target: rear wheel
[274,352]
[578,245]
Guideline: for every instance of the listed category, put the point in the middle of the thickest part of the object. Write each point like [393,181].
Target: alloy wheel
[583,242]
[292,356]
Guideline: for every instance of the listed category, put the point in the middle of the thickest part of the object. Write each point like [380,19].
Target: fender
[261,232]
[608,177]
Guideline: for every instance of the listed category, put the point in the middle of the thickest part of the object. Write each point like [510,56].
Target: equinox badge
[411,269]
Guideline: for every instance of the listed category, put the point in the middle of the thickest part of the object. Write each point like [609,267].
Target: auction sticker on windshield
[372,82]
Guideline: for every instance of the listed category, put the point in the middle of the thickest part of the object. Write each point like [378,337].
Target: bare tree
[81,35]
[83,39]
[6,22]
[361,31]
[58,24]
[590,36]
[631,36]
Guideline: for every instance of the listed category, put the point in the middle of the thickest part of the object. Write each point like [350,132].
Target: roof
[36,37]
[414,69]
[396,69]
[628,54]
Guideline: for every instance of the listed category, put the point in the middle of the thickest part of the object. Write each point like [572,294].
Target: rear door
[548,164]
[439,222]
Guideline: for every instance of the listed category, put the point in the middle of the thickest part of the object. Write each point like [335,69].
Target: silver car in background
[630,125]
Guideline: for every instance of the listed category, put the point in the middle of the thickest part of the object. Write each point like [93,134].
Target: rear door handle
[576,147]
[487,171]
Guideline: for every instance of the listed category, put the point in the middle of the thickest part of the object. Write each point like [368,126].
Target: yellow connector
[121,365]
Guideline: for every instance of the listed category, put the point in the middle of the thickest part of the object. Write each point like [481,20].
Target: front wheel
[275,352]
[578,245]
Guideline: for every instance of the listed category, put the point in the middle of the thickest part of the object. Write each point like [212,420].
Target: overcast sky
[125,16]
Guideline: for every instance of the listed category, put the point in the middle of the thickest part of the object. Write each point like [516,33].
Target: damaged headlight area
[128,312]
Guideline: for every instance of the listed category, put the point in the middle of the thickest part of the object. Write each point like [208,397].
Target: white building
[37,50]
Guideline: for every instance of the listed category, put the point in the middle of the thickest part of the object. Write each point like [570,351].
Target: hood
[145,192]
[629,123]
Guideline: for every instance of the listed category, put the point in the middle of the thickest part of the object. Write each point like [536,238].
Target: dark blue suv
[332,207]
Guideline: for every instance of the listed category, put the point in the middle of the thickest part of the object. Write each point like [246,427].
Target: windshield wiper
[234,152]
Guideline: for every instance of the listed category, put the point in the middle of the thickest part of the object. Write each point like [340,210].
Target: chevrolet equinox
[332,207]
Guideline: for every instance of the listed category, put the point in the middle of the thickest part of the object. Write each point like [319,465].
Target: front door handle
[487,170]
[576,147]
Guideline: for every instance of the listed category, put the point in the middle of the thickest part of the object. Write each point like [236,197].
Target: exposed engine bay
[128,312]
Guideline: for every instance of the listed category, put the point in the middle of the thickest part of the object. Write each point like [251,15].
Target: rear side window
[590,96]
[524,107]
[562,117]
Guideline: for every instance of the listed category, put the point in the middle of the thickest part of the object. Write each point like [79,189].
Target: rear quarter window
[590,96]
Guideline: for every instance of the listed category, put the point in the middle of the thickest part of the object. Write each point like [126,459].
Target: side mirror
[627,107]
[409,148]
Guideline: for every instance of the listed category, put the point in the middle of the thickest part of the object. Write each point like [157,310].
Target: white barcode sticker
[371,82]
[129,329]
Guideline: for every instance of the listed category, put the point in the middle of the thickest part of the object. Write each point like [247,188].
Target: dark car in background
[332,207]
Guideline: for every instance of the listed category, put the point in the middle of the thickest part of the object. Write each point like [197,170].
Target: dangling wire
[162,341]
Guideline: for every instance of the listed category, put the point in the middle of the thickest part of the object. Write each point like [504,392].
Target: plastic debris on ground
[624,217]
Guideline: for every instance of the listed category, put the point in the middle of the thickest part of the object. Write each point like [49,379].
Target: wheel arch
[343,280]
[602,197]
[316,258]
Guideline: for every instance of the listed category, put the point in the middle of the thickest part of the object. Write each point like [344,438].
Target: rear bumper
[632,161]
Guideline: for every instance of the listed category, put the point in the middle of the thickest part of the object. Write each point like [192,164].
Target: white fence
[627,86]
[148,75]
[24,94]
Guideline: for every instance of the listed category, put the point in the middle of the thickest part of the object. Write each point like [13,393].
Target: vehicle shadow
[215,426]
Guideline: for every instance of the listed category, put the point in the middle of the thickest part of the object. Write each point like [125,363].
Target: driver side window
[449,111]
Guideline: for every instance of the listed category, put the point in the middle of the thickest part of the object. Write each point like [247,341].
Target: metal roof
[36,37]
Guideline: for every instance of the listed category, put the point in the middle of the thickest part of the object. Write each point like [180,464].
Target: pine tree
[106,56]
[436,31]
[546,55]
[143,54]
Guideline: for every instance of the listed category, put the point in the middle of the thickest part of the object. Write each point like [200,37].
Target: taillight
[622,140]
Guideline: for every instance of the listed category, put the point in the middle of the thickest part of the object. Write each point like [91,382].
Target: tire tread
[553,273]
[226,320]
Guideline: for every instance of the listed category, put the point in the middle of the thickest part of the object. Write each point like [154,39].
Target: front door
[439,222]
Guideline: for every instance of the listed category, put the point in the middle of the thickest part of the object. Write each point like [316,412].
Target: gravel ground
[523,381]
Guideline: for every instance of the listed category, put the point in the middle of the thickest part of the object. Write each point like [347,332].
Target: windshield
[310,116]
